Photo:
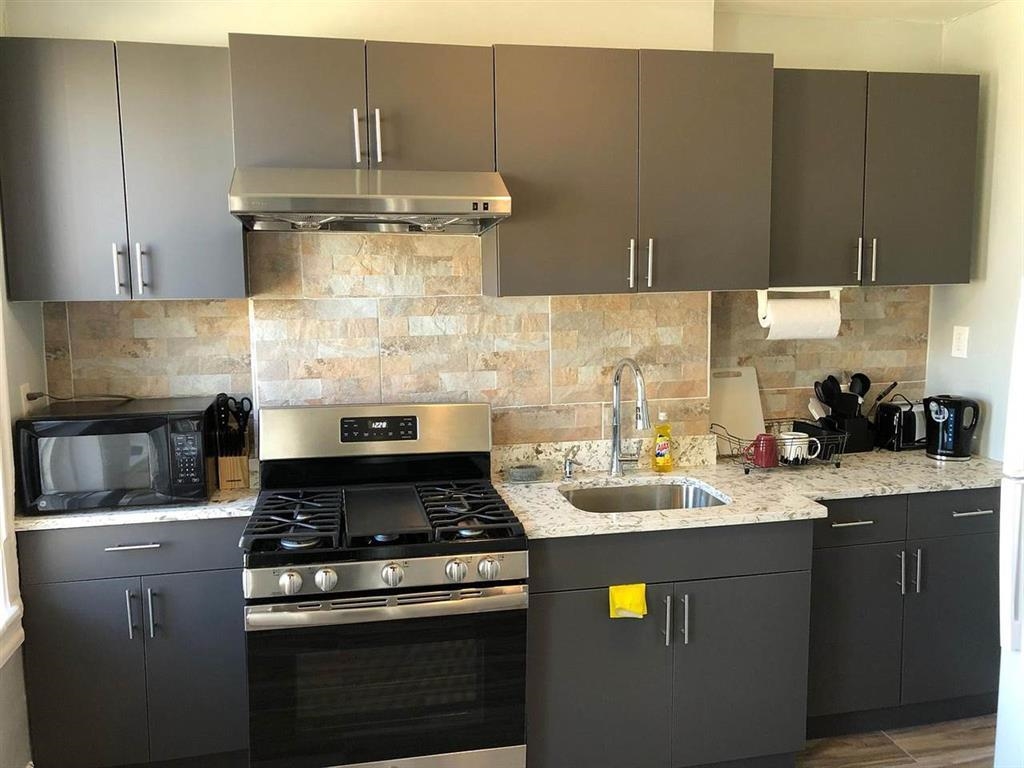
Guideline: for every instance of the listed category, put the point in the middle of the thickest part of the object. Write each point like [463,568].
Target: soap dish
[524,473]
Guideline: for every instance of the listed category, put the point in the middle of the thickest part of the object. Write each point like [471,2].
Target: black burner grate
[469,511]
[295,520]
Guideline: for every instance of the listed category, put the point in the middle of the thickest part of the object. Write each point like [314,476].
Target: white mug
[796,447]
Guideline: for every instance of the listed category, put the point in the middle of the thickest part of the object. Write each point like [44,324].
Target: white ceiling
[930,11]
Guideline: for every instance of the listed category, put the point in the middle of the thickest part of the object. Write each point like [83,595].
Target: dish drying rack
[833,444]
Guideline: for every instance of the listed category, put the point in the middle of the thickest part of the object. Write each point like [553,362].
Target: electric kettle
[949,426]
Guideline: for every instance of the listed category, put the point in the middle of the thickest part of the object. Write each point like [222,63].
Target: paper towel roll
[803,319]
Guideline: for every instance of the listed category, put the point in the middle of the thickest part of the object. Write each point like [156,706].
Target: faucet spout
[643,419]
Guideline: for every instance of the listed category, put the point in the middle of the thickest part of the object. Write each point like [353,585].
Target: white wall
[827,43]
[14,751]
[613,23]
[990,42]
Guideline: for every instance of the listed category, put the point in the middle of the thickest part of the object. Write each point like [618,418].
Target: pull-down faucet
[643,420]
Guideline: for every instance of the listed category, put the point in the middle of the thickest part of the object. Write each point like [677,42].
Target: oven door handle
[365,610]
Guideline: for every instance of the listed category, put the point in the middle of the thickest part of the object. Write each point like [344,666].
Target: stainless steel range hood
[313,199]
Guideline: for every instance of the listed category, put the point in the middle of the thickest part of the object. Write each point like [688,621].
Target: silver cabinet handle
[874,258]
[853,523]
[686,619]
[149,606]
[118,282]
[138,268]
[919,556]
[860,256]
[668,620]
[632,262]
[130,547]
[355,136]
[380,151]
[903,572]
[975,513]
[128,608]
[650,262]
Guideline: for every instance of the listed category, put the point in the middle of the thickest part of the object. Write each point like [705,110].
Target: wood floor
[962,743]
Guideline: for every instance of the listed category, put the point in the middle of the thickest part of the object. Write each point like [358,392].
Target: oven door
[425,680]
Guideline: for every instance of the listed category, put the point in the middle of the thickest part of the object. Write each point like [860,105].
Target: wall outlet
[960,335]
[26,405]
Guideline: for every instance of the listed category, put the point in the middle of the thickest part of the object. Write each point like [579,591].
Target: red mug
[763,452]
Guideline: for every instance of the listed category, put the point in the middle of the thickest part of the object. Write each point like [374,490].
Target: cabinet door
[60,171]
[919,178]
[856,629]
[436,106]
[178,161]
[817,177]
[293,100]
[739,679]
[951,618]
[195,663]
[705,170]
[85,673]
[567,149]
[598,689]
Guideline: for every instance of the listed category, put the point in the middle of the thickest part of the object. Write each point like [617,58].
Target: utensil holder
[232,472]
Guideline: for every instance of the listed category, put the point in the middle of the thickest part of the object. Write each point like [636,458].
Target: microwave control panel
[186,452]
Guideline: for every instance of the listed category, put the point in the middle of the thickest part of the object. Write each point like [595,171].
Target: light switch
[960,334]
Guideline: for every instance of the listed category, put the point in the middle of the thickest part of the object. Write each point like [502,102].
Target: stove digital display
[371,429]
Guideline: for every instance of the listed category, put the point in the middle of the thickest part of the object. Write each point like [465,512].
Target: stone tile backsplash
[390,318]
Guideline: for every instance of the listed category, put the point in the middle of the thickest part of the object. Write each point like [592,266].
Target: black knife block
[861,433]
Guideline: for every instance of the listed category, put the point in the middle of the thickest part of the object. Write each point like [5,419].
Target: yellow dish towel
[627,601]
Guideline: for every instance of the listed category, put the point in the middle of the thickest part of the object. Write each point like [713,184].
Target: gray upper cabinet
[298,101]
[705,170]
[567,141]
[65,229]
[178,160]
[919,178]
[431,107]
[817,177]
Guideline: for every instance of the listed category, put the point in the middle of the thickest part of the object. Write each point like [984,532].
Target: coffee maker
[950,422]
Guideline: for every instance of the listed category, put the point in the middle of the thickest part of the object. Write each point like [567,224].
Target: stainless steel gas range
[385,587]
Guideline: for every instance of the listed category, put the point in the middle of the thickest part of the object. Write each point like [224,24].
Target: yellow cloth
[627,601]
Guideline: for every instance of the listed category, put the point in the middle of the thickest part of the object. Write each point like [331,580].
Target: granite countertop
[762,496]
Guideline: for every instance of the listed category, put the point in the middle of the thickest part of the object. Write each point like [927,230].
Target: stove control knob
[392,574]
[290,582]
[456,570]
[488,569]
[326,579]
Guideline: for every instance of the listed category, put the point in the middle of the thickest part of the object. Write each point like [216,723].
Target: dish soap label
[662,460]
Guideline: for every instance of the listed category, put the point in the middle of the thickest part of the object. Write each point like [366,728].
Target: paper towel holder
[762,299]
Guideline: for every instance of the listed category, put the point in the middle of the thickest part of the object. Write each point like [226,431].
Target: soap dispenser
[662,460]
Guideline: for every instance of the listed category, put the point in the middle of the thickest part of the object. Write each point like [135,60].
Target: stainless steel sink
[636,498]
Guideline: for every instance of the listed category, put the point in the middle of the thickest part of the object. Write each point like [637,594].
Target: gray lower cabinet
[85,673]
[705,170]
[817,177]
[431,106]
[65,226]
[919,178]
[145,667]
[298,102]
[178,160]
[567,143]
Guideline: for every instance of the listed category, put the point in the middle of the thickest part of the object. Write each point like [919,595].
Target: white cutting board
[736,403]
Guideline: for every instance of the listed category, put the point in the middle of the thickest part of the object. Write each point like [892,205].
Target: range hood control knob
[326,579]
[290,582]
[392,574]
[456,570]
[488,569]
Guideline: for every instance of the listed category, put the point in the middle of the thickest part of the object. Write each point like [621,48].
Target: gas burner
[467,510]
[299,542]
[295,520]
[385,538]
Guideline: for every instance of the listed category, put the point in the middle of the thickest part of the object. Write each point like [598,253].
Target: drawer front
[114,551]
[952,513]
[870,520]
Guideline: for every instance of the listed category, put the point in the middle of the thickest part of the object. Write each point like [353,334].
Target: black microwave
[81,455]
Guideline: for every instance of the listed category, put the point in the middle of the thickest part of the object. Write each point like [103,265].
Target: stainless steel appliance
[385,588]
[950,422]
[900,425]
[81,455]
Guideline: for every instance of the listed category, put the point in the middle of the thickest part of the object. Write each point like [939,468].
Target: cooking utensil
[817,408]
[832,390]
[881,397]
[860,384]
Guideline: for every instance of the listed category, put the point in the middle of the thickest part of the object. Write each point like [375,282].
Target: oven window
[361,693]
[87,463]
